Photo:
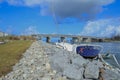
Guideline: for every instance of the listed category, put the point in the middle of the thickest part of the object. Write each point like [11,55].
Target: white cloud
[109,31]
[30,30]
[33,2]
[80,9]
[102,28]
[14,2]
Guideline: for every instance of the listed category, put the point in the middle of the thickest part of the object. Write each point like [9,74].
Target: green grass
[10,53]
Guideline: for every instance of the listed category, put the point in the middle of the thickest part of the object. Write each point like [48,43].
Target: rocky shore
[44,61]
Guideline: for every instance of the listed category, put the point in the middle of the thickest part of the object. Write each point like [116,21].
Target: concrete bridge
[62,38]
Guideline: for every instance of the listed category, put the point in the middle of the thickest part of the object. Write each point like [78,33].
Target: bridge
[62,38]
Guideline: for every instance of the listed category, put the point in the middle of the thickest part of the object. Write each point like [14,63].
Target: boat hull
[88,51]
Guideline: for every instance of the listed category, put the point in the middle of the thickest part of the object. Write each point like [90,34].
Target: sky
[99,18]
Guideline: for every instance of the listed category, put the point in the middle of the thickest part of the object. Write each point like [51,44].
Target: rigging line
[54,16]
[116,61]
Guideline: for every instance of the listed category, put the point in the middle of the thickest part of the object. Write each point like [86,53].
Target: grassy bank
[10,53]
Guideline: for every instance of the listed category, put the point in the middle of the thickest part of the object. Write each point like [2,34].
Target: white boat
[65,46]
[85,50]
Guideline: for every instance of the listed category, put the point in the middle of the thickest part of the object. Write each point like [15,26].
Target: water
[111,47]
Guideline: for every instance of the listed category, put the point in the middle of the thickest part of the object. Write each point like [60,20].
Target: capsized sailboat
[85,50]
[88,51]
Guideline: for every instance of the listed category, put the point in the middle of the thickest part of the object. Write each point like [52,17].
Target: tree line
[117,38]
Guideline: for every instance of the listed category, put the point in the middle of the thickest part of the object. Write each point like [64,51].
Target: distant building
[3,34]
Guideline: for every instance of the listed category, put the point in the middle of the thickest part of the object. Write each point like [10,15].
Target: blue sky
[83,17]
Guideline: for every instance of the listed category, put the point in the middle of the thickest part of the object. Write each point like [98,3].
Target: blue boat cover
[87,51]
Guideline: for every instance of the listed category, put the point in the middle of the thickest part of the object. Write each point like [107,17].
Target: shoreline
[44,61]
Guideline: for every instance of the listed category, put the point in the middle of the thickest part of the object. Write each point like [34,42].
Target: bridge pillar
[94,40]
[62,39]
[48,39]
[80,39]
[100,40]
[84,39]
[75,40]
[87,40]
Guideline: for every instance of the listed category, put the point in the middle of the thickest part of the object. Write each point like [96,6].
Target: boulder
[59,62]
[91,71]
[98,63]
[110,75]
[73,73]
[61,78]
[79,61]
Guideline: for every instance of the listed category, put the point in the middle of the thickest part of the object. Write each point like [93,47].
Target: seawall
[44,61]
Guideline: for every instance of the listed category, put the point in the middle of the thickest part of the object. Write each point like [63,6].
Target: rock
[61,78]
[48,68]
[59,62]
[34,65]
[2,78]
[91,71]
[79,61]
[46,78]
[110,75]
[73,73]
[98,63]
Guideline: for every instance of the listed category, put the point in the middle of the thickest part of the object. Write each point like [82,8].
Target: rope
[116,61]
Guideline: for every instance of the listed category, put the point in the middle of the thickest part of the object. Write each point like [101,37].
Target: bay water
[112,48]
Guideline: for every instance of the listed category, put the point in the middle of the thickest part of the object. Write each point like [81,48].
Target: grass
[10,53]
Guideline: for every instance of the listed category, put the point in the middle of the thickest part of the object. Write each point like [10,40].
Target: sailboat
[88,51]
[85,50]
